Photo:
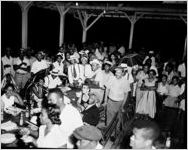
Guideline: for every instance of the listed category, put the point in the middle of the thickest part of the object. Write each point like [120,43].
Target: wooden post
[131,34]
[24,5]
[62,11]
[185,49]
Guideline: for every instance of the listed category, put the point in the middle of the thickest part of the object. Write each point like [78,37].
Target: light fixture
[104,11]
[76,3]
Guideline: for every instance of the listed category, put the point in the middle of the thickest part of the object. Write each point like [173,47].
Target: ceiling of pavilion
[146,9]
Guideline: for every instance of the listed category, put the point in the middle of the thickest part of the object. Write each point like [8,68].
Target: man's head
[88,137]
[119,72]
[56,96]
[39,56]
[95,64]
[145,132]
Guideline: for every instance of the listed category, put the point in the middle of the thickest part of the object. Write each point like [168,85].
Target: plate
[7,138]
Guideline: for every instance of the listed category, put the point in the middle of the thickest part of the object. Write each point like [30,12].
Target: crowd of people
[154,85]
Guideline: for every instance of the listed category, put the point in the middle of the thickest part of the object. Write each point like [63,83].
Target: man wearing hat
[52,80]
[88,137]
[107,74]
[39,64]
[85,68]
[127,73]
[74,71]
[117,92]
[97,75]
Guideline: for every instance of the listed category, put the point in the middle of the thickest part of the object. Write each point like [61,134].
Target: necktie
[74,71]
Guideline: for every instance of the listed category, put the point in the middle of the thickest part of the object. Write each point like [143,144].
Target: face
[119,73]
[92,99]
[107,68]
[43,117]
[133,72]
[94,66]
[53,98]
[151,74]
[68,56]
[41,82]
[73,61]
[137,140]
[113,57]
[59,59]
[175,81]
[39,57]
[85,89]
[9,91]
[146,69]
[84,61]
[83,144]
[164,79]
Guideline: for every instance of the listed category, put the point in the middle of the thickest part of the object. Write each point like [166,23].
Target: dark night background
[43,31]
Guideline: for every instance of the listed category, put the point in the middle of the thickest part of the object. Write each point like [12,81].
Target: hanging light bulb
[104,11]
[76,3]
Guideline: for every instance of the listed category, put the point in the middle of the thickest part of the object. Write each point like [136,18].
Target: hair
[57,91]
[40,78]
[9,85]
[58,56]
[152,70]
[53,112]
[152,130]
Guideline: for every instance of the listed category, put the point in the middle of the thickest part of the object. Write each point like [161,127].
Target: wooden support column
[62,11]
[24,5]
[84,17]
[133,19]
[185,45]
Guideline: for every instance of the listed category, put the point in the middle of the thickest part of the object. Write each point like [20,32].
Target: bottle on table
[21,119]
[27,112]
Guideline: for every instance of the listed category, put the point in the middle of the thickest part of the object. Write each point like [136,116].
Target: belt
[113,100]
[21,73]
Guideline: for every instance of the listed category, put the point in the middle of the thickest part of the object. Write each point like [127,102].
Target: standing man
[70,116]
[39,64]
[7,62]
[145,133]
[22,69]
[117,92]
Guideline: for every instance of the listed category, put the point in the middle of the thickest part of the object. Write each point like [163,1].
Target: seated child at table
[91,111]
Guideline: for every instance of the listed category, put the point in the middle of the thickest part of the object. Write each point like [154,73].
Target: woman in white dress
[147,103]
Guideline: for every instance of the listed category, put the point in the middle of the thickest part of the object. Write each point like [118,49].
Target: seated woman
[50,134]
[91,112]
[84,97]
[10,98]
[38,92]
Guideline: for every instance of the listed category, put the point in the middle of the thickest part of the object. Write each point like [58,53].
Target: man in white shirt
[97,75]
[74,71]
[85,69]
[70,116]
[7,62]
[117,92]
[39,64]
[107,74]
[58,65]
[22,69]
[52,81]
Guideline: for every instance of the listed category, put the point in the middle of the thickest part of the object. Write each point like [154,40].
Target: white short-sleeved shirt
[128,77]
[59,67]
[54,139]
[163,89]
[38,66]
[85,71]
[107,77]
[99,77]
[174,91]
[70,120]
[118,87]
[51,83]
[8,102]
[18,62]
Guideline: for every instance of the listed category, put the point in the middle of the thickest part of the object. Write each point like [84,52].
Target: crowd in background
[155,85]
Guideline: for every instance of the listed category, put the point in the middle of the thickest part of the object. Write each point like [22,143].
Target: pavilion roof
[122,9]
